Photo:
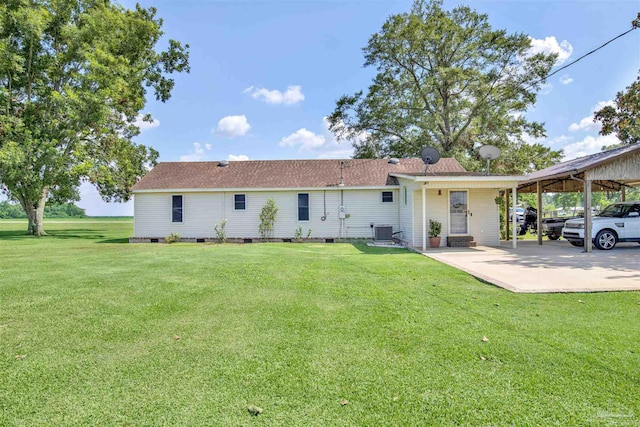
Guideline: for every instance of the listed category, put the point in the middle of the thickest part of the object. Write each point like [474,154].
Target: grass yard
[96,331]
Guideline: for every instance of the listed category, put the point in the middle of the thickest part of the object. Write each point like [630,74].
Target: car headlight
[568,225]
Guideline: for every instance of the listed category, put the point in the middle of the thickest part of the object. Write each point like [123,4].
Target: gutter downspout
[588,244]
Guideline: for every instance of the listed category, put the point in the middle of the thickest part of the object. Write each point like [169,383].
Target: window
[303,206]
[239,202]
[176,208]
[387,197]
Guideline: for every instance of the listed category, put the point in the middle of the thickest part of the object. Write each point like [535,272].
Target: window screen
[176,208]
[303,207]
[240,202]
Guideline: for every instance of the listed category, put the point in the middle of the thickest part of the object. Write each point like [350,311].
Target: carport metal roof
[608,170]
[612,170]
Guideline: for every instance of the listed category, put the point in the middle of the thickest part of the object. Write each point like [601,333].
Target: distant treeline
[66,210]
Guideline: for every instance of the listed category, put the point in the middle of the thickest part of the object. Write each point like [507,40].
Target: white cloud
[303,138]
[531,140]
[291,96]
[587,123]
[324,143]
[197,154]
[232,126]
[588,145]
[550,45]
[559,140]
[565,79]
[143,125]
[600,105]
[237,157]
[545,88]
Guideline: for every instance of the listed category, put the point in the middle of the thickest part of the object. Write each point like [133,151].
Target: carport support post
[588,244]
[506,214]
[623,194]
[424,218]
[540,211]
[514,192]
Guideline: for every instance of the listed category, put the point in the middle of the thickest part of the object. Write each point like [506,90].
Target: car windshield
[615,211]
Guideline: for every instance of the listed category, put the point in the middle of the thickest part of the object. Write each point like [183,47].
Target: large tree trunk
[35,213]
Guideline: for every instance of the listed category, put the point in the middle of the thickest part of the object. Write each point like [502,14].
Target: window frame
[244,201]
[307,207]
[382,194]
[173,209]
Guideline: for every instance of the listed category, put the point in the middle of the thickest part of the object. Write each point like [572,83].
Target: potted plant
[435,228]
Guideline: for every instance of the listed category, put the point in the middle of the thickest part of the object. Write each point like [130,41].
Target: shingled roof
[285,173]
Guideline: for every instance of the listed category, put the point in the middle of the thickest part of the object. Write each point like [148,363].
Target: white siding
[364,208]
[406,214]
[437,209]
[152,214]
[484,223]
[202,211]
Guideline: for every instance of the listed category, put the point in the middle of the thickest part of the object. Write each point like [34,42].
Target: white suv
[619,222]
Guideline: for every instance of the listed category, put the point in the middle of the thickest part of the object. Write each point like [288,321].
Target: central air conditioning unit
[383,232]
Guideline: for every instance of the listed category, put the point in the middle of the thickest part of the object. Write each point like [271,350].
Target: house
[335,199]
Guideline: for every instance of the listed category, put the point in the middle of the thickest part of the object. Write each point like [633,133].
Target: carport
[612,170]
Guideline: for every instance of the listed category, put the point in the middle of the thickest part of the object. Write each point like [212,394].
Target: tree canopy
[65,210]
[74,76]
[623,118]
[446,79]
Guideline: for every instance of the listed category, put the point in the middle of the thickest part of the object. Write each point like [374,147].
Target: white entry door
[458,212]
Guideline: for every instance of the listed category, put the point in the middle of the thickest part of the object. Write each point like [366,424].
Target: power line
[586,54]
[541,79]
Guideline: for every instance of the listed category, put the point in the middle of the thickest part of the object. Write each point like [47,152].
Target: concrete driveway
[556,266]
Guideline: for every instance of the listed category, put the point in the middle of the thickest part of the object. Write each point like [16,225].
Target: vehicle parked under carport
[619,222]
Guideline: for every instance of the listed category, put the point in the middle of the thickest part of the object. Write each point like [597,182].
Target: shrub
[172,238]
[435,227]
[220,232]
[268,219]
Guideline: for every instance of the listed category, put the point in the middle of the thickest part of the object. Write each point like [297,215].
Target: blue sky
[264,74]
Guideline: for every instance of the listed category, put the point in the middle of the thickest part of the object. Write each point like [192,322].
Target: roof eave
[260,189]
[465,178]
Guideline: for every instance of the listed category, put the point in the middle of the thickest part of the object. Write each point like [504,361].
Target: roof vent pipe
[223,163]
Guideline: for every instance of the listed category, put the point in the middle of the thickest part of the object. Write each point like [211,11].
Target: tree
[268,218]
[623,118]
[73,78]
[448,80]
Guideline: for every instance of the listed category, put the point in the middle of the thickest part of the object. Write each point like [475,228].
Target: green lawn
[294,329]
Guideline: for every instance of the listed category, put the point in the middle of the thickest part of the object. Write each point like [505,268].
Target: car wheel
[553,236]
[574,243]
[606,240]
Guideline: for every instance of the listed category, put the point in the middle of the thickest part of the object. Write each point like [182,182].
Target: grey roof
[581,164]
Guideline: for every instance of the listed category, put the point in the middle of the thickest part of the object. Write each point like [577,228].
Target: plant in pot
[435,228]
